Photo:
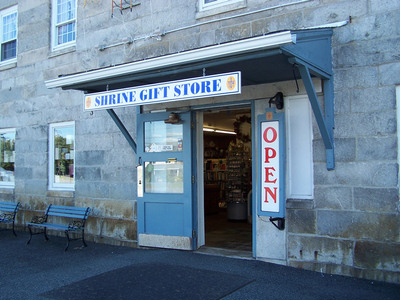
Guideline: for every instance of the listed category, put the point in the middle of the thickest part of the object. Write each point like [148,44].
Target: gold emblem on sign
[270,115]
[88,102]
[231,83]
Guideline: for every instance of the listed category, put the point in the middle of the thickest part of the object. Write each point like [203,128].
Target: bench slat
[49,225]
[6,206]
[67,215]
[72,208]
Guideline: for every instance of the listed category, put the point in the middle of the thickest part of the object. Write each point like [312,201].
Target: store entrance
[227,179]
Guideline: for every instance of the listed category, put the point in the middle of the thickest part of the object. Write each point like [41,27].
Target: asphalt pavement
[43,270]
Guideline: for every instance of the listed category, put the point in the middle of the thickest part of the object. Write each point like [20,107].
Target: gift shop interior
[227,179]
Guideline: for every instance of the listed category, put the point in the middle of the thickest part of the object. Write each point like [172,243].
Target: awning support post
[325,124]
[123,129]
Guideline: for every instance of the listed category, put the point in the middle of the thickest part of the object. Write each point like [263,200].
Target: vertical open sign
[272,167]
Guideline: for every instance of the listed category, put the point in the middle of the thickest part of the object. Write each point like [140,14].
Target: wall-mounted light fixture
[277,100]
[173,118]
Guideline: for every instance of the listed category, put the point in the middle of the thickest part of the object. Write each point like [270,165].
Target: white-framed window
[62,156]
[64,23]
[7,158]
[211,7]
[209,4]
[8,34]
[299,144]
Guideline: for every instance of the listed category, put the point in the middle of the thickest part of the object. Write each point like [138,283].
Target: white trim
[215,4]
[213,52]
[218,7]
[329,25]
[299,148]
[201,240]
[53,186]
[54,45]
[4,13]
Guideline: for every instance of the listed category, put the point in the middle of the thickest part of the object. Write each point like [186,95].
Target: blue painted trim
[221,105]
[280,117]
[325,125]
[329,121]
[195,184]
[254,178]
[314,47]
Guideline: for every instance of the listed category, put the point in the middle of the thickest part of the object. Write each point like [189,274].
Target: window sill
[60,51]
[59,193]
[7,189]
[220,9]
[8,65]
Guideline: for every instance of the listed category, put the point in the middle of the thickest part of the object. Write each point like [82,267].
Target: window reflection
[164,177]
[7,157]
[64,155]
[161,137]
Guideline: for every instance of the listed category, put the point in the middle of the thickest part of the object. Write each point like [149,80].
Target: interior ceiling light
[208,129]
[218,131]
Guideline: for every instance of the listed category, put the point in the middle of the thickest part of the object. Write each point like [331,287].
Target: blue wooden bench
[8,211]
[58,214]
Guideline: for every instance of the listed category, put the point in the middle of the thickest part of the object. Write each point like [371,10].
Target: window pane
[163,177]
[161,137]
[7,156]
[64,140]
[9,50]
[65,10]
[209,1]
[9,27]
[66,33]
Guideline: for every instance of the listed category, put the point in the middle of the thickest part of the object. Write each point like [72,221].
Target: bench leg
[30,235]
[66,233]
[13,228]
[83,238]
[45,234]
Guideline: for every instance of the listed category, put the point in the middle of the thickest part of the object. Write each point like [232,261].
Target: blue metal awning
[271,58]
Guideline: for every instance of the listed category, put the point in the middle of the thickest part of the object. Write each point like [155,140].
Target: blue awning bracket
[123,129]
[325,123]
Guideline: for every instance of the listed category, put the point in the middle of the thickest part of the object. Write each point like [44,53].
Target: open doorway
[227,179]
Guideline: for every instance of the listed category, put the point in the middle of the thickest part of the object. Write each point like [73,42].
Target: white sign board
[200,87]
[270,172]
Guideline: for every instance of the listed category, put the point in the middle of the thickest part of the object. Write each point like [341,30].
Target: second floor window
[64,23]
[8,33]
[210,4]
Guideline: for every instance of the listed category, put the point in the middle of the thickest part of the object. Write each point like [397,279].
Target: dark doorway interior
[227,179]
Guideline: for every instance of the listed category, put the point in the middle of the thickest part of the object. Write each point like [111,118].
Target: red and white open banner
[270,168]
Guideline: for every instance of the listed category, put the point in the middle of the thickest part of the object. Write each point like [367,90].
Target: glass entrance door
[164,210]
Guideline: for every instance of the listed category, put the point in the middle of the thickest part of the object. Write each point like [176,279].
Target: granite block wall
[351,226]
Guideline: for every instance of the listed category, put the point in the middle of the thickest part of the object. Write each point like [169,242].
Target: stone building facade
[348,224]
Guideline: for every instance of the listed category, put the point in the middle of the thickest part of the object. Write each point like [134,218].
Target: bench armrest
[6,217]
[39,219]
[76,224]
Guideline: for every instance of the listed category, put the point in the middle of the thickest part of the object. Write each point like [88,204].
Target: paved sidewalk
[42,270]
